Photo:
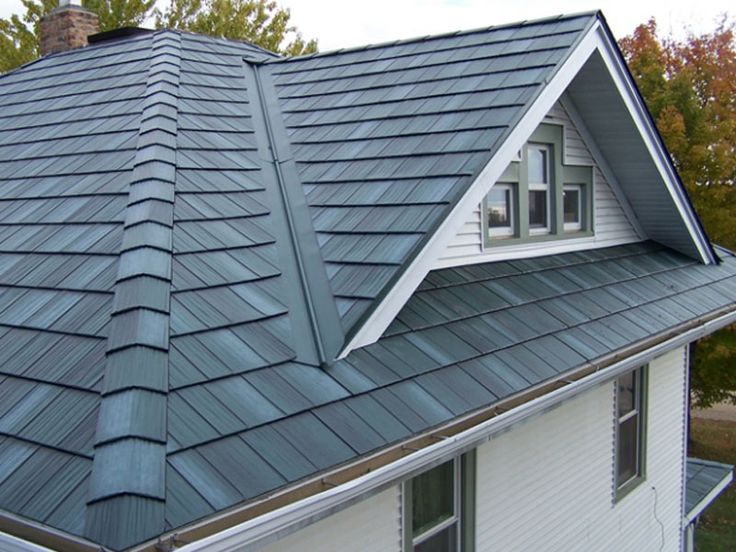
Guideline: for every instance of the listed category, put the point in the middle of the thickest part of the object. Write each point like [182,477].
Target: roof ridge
[126,497]
[424,38]
[261,49]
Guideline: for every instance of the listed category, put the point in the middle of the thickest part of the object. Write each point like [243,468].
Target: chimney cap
[120,32]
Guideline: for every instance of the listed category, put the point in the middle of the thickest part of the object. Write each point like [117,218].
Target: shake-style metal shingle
[192,228]
[704,481]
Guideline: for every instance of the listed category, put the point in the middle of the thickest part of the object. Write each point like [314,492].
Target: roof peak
[462,32]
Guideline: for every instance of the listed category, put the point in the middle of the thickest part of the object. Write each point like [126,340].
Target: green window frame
[537,181]
[439,508]
[629,460]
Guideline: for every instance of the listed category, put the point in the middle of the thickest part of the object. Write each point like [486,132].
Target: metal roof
[189,229]
[705,480]
[385,139]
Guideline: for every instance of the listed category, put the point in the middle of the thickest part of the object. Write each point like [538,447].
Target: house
[435,294]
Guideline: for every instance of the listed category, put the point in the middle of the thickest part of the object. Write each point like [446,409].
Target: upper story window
[438,508]
[501,208]
[629,435]
[538,197]
[538,158]
[572,207]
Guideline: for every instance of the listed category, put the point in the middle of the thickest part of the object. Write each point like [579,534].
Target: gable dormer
[593,84]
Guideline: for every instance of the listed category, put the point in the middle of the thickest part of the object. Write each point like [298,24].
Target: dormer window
[538,197]
[539,186]
[572,207]
[500,211]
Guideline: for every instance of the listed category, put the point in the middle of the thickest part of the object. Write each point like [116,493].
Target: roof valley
[127,487]
[311,303]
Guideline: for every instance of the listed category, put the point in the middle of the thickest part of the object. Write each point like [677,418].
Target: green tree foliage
[114,14]
[19,34]
[713,369]
[690,89]
[260,22]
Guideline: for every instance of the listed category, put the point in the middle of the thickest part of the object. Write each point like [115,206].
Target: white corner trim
[710,497]
[389,307]
[265,529]
[637,109]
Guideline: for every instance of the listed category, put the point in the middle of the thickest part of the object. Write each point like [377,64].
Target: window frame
[463,503]
[578,225]
[551,137]
[502,232]
[545,186]
[641,379]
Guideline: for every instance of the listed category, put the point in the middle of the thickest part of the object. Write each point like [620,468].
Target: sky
[345,23]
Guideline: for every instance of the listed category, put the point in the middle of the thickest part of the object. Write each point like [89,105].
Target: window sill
[627,488]
[502,241]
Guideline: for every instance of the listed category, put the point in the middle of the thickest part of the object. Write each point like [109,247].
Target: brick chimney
[66,28]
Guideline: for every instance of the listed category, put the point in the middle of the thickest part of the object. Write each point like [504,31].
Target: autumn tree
[689,86]
[690,89]
[261,22]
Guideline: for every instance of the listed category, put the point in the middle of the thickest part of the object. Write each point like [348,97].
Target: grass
[716,440]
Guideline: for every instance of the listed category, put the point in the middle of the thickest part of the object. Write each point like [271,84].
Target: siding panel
[548,484]
[373,525]
[610,221]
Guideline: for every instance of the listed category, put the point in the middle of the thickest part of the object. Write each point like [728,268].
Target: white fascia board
[413,275]
[268,528]
[9,543]
[693,514]
[660,157]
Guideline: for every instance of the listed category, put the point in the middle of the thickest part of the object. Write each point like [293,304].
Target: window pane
[499,208]
[538,172]
[444,541]
[538,209]
[627,449]
[571,202]
[626,392]
[433,498]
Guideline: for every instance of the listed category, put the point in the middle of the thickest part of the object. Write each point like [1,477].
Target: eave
[271,518]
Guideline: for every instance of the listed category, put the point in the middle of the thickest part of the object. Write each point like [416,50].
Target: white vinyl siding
[372,525]
[611,225]
[548,484]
